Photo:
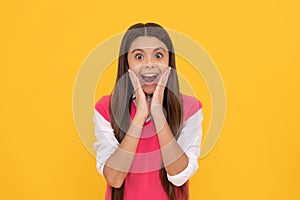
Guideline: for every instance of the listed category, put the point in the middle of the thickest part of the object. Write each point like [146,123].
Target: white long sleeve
[189,140]
[106,141]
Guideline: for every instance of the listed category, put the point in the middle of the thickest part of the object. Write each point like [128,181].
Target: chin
[149,89]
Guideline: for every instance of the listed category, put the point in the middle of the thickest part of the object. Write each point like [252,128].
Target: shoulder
[102,106]
[190,105]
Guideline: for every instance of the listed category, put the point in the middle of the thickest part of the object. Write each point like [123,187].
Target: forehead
[143,42]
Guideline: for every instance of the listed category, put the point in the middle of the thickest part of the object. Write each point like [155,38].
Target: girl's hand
[158,95]
[142,108]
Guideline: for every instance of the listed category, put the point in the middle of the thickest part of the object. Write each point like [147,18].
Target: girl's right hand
[142,106]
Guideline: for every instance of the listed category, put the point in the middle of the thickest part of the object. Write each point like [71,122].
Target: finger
[134,80]
[131,79]
[162,82]
[164,77]
[137,81]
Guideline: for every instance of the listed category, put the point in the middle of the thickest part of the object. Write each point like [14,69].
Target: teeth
[149,75]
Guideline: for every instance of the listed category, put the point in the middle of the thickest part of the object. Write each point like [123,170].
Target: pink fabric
[143,182]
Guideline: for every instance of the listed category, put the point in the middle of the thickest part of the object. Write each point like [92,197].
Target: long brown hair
[120,102]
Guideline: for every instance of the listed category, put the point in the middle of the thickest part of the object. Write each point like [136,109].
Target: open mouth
[150,78]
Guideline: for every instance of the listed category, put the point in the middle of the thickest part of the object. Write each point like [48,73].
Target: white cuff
[100,167]
[180,178]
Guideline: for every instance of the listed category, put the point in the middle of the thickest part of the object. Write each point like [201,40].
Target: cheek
[163,68]
[135,68]
[166,60]
[130,63]
[133,64]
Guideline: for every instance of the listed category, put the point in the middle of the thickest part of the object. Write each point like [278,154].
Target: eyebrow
[156,49]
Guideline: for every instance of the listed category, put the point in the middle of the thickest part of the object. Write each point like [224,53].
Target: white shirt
[189,140]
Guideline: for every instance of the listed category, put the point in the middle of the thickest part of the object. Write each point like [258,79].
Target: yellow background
[255,45]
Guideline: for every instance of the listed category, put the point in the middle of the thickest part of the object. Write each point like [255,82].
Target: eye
[159,55]
[139,56]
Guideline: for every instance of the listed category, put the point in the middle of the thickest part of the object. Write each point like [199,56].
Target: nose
[149,66]
[149,62]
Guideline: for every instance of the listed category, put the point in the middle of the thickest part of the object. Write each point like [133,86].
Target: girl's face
[148,57]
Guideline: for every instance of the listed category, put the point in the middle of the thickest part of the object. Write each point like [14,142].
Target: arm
[188,142]
[118,164]
[114,159]
[174,158]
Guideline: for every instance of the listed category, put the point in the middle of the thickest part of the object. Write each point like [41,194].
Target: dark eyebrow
[137,50]
[156,49]
[159,48]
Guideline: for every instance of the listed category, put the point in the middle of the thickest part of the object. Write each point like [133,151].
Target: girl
[148,133]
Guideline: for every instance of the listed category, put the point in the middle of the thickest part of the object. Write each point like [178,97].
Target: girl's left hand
[158,95]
